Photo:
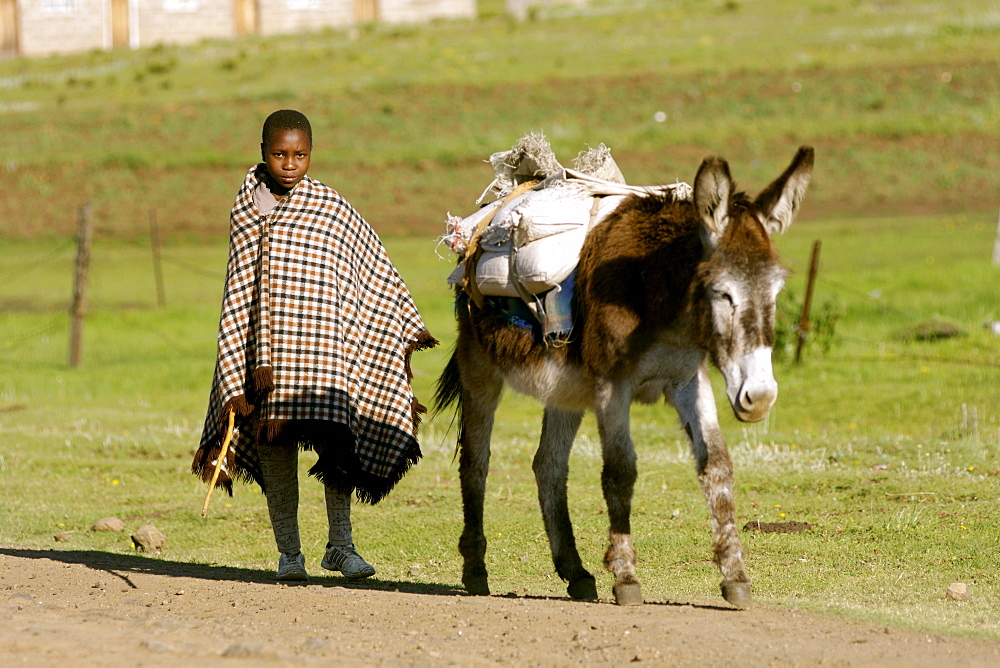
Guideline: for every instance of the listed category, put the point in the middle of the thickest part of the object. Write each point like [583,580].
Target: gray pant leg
[280,469]
[338,512]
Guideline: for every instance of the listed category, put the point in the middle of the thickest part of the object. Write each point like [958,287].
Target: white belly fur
[554,384]
[661,371]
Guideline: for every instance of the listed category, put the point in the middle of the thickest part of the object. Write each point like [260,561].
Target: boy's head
[285,119]
[286,147]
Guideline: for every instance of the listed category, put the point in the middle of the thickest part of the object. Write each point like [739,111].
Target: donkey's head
[739,278]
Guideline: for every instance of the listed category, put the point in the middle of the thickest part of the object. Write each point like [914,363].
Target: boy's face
[286,155]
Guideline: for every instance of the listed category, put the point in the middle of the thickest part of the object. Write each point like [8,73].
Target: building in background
[42,27]
[522,9]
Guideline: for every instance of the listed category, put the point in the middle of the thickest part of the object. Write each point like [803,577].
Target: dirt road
[83,608]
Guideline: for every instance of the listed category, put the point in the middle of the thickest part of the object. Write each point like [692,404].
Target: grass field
[900,99]
[888,445]
[887,442]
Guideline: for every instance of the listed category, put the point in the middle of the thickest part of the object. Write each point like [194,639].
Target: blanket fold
[314,346]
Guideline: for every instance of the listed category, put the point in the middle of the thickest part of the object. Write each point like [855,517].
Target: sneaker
[347,560]
[292,568]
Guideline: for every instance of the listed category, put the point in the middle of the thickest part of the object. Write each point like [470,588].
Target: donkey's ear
[712,187]
[779,202]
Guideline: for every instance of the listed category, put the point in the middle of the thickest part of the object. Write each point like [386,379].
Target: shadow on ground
[123,566]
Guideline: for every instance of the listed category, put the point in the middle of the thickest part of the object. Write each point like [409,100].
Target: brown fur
[640,271]
[649,242]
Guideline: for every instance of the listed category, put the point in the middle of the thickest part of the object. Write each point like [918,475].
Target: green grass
[887,444]
[900,99]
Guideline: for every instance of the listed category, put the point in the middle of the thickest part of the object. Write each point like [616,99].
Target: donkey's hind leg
[618,482]
[477,412]
[551,467]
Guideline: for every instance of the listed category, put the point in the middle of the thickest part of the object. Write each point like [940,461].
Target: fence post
[154,240]
[78,309]
[804,320]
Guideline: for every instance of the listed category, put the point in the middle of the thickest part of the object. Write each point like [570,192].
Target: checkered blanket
[317,329]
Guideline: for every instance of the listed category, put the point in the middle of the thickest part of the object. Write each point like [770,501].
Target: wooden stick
[218,464]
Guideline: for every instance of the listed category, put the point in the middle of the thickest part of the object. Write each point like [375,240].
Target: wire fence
[27,268]
[899,353]
[17,276]
[20,293]
[191,267]
[19,273]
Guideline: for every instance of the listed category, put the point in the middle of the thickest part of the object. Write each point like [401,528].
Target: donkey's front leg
[551,467]
[696,405]
[480,395]
[618,482]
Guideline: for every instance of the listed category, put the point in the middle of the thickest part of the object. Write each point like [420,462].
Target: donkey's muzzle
[755,387]
[755,402]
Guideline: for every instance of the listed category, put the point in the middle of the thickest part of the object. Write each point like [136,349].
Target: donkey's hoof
[583,588]
[627,593]
[477,585]
[737,594]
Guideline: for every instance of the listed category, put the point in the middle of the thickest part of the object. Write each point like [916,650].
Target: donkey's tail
[449,393]
[449,387]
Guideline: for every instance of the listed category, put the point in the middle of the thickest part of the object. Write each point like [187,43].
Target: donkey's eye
[724,297]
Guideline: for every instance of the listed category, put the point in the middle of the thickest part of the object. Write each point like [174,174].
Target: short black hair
[285,119]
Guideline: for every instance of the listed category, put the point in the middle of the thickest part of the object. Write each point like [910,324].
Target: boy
[315,339]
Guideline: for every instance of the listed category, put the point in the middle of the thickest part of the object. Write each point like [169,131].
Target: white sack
[603,206]
[562,206]
[539,266]
[546,226]
[496,236]
[597,162]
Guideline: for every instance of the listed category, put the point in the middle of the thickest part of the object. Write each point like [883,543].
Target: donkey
[662,288]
